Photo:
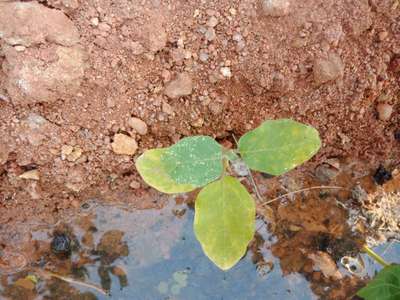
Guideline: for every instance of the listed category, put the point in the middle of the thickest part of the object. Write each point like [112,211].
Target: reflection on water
[145,254]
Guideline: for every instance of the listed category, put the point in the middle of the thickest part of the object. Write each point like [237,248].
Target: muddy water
[147,254]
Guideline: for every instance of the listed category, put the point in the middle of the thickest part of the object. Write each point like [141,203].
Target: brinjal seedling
[224,209]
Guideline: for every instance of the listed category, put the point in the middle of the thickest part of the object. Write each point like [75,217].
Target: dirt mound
[75,73]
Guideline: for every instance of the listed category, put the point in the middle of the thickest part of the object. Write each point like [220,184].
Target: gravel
[181,86]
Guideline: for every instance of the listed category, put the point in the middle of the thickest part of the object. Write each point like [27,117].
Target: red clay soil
[75,72]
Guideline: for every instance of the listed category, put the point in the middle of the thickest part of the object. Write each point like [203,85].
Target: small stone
[136,48]
[167,108]
[226,72]
[181,86]
[19,48]
[110,102]
[65,151]
[75,154]
[328,69]
[383,35]
[198,123]
[104,27]
[325,173]
[124,145]
[61,244]
[94,21]
[134,185]
[32,174]
[215,108]
[212,22]
[384,111]
[210,34]
[203,56]
[138,125]
[276,8]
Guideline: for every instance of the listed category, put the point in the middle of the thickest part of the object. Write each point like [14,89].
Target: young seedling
[224,209]
[386,284]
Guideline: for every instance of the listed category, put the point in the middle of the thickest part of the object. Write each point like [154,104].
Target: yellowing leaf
[278,146]
[224,221]
[153,173]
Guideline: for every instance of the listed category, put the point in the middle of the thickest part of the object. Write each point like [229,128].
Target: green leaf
[224,221]
[385,286]
[194,160]
[278,146]
[153,173]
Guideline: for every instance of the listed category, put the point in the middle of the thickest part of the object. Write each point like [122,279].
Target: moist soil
[74,74]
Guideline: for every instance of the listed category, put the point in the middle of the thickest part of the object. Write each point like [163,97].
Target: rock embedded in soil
[61,244]
[134,185]
[46,73]
[181,86]
[276,8]
[325,173]
[31,80]
[384,111]
[124,145]
[32,174]
[328,69]
[138,125]
[30,23]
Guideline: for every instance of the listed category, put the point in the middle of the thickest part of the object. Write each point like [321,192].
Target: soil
[74,73]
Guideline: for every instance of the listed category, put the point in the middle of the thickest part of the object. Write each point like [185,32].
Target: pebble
[210,34]
[383,35]
[203,56]
[134,185]
[138,125]
[61,244]
[212,22]
[124,145]
[198,123]
[32,174]
[328,69]
[325,173]
[384,111]
[276,8]
[94,21]
[181,86]
[65,151]
[166,108]
[226,72]
[136,48]
[104,27]
[75,154]
[19,48]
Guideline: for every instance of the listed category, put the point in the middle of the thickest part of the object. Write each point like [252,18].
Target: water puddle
[145,254]
[114,250]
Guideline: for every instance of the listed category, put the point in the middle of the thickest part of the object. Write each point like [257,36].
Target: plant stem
[305,190]
[253,182]
[375,256]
